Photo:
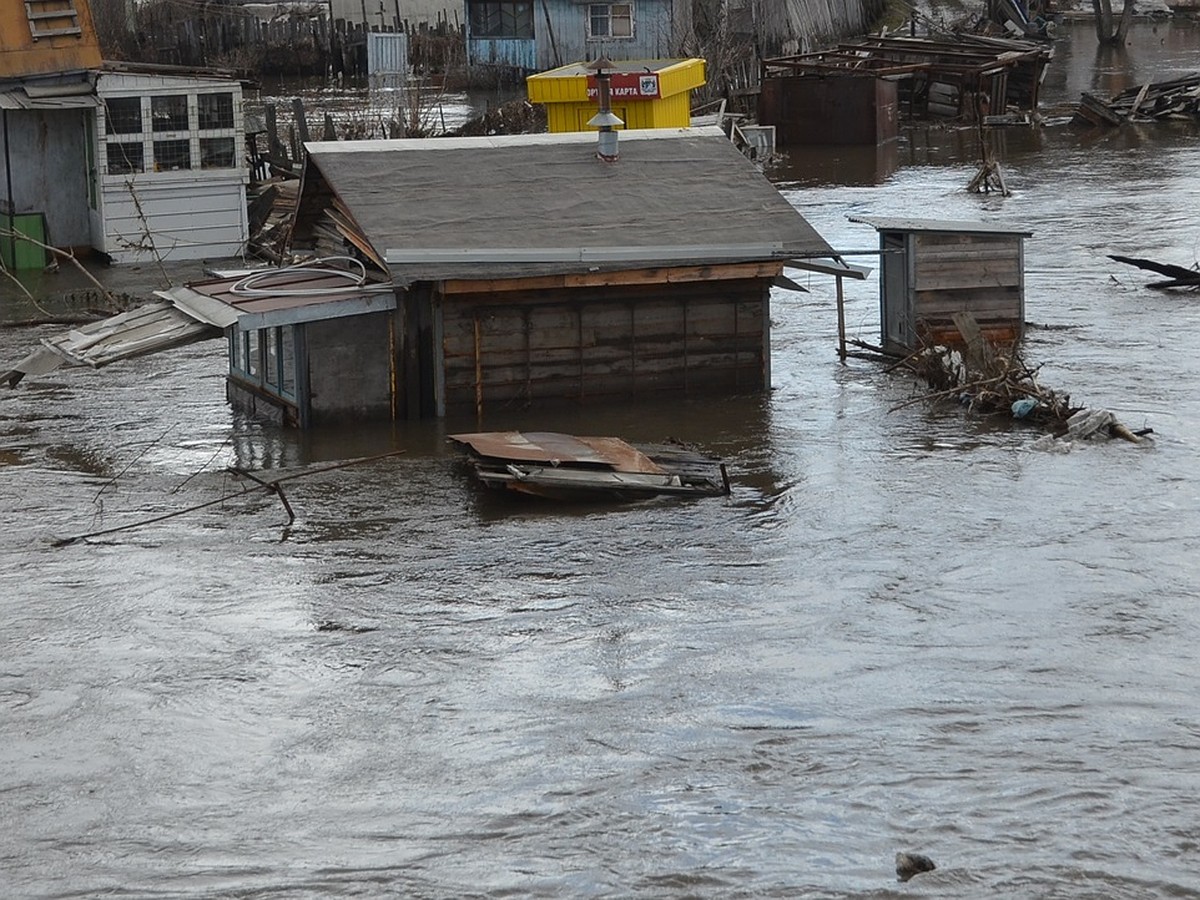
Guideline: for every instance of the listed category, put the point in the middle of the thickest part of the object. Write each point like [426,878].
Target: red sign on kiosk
[627,86]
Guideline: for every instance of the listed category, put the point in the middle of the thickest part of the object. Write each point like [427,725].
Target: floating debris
[1153,101]
[565,467]
[910,864]
[994,382]
[1177,276]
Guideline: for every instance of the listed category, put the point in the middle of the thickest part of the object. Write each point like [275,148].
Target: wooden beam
[675,275]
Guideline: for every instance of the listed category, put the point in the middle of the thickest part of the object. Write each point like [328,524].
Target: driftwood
[994,382]
[1152,101]
[271,486]
[1177,276]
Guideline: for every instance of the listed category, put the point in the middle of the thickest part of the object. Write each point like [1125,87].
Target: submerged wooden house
[512,271]
[933,269]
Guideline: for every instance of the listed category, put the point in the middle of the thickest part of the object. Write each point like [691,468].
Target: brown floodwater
[904,630]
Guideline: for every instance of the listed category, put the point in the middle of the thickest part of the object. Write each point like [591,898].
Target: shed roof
[883,223]
[544,204]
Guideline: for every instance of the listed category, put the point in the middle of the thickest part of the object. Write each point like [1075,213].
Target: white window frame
[608,8]
[147,137]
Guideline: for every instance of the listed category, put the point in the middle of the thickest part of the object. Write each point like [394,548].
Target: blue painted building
[526,36]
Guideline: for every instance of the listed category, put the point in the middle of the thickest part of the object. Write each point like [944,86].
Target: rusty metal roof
[285,296]
[556,449]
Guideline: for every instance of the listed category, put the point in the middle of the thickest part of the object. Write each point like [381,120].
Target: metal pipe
[12,222]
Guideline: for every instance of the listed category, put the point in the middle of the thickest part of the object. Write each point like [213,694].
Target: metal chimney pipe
[604,120]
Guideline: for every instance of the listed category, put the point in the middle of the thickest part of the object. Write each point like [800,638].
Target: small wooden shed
[512,271]
[932,269]
[646,93]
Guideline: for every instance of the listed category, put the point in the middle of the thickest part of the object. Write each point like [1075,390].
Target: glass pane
[271,356]
[215,110]
[599,16]
[124,159]
[622,20]
[217,153]
[524,21]
[169,113]
[287,351]
[236,356]
[252,367]
[123,115]
[172,155]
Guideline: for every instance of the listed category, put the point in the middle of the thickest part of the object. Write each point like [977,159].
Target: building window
[502,19]
[215,111]
[169,113]
[123,115]
[185,131]
[126,158]
[171,156]
[266,358]
[217,153]
[610,20]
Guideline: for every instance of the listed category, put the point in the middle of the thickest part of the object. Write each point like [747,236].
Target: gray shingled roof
[687,194]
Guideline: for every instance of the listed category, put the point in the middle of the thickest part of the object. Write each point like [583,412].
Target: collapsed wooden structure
[850,93]
[566,467]
[1177,99]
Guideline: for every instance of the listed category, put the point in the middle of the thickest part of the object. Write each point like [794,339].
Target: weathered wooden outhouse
[503,272]
[932,269]
[653,93]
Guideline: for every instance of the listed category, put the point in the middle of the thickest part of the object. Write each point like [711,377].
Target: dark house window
[216,111]
[123,115]
[217,153]
[170,156]
[126,159]
[610,20]
[502,19]
[170,113]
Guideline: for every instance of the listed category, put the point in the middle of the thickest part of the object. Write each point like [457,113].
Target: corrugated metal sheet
[147,329]
[387,57]
[554,448]
[72,96]
[515,53]
[282,297]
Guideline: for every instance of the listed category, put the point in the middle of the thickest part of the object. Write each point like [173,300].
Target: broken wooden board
[1177,276]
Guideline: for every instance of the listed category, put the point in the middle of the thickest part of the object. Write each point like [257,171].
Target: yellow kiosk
[646,93]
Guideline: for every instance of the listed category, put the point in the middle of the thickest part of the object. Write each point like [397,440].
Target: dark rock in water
[910,864]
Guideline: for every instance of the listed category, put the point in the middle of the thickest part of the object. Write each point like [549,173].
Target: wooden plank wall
[593,344]
[976,273]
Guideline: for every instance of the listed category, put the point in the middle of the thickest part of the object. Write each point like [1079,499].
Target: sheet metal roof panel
[670,187]
[326,297]
[146,329]
[556,449]
[884,223]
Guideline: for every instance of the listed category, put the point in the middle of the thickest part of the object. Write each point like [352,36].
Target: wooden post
[478,370]
[841,309]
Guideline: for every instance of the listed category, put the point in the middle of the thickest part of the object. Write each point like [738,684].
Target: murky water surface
[903,631]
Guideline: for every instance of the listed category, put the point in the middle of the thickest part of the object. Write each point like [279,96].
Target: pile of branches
[990,383]
[994,381]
